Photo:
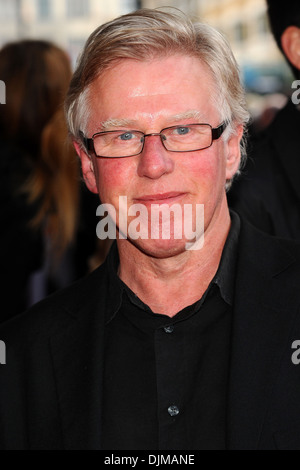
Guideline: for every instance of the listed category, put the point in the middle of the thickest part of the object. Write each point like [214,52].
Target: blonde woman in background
[39,190]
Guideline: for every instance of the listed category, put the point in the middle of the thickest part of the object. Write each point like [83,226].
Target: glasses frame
[216,133]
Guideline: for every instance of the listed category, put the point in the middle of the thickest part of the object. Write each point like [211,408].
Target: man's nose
[155,160]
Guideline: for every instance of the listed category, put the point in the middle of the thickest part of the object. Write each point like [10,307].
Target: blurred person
[268,191]
[39,173]
[174,342]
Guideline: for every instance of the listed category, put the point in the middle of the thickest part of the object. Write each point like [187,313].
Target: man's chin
[161,249]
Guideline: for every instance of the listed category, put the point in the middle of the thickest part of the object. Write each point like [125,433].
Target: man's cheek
[205,177]
[203,163]
[109,179]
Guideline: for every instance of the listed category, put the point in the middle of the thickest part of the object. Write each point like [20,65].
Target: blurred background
[68,23]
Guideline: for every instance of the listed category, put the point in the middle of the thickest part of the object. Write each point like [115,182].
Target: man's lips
[160,198]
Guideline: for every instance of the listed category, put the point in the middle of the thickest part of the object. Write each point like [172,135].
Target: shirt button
[173,410]
[169,329]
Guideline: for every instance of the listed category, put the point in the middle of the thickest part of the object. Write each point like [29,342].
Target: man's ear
[233,154]
[290,41]
[87,168]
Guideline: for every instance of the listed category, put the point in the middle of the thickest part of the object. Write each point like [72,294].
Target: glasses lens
[118,143]
[187,138]
[127,143]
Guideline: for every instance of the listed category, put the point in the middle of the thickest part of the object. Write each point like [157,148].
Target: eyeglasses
[128,143]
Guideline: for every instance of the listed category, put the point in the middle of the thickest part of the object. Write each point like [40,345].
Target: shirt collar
[115,285]
[224,278]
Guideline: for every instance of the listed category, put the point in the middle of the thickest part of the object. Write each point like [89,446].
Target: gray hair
[146,34]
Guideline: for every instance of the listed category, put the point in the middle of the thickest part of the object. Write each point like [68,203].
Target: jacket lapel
[263,311]
[78,358]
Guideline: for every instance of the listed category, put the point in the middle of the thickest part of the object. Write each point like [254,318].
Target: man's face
[150,96]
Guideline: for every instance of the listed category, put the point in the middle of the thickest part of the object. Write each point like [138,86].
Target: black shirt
[165,380]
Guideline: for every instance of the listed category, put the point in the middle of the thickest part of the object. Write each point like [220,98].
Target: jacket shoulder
[261,248]
[56,311]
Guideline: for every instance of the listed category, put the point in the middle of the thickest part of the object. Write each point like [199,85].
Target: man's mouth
[160,198]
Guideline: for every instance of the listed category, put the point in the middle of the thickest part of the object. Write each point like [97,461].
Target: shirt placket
[170,378]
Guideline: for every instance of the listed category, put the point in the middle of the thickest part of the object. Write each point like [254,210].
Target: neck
[158,282]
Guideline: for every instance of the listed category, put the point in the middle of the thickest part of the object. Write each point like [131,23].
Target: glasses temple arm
[218,131]
[88,143]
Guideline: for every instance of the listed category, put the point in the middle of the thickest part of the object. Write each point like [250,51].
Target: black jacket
[268,191]
[51,384]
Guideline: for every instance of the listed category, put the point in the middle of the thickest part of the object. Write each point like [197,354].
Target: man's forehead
[160,92]
[163,66]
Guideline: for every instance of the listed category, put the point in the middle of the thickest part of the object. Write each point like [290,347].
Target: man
[268,193]
[174,342]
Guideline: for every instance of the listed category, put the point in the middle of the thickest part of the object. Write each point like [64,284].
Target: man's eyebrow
[111,124]
[191,114]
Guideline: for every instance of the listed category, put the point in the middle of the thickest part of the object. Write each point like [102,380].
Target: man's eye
[126,136]
[182,130]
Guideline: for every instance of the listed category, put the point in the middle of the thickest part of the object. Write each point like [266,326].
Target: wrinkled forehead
[160,63]
[177,84]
